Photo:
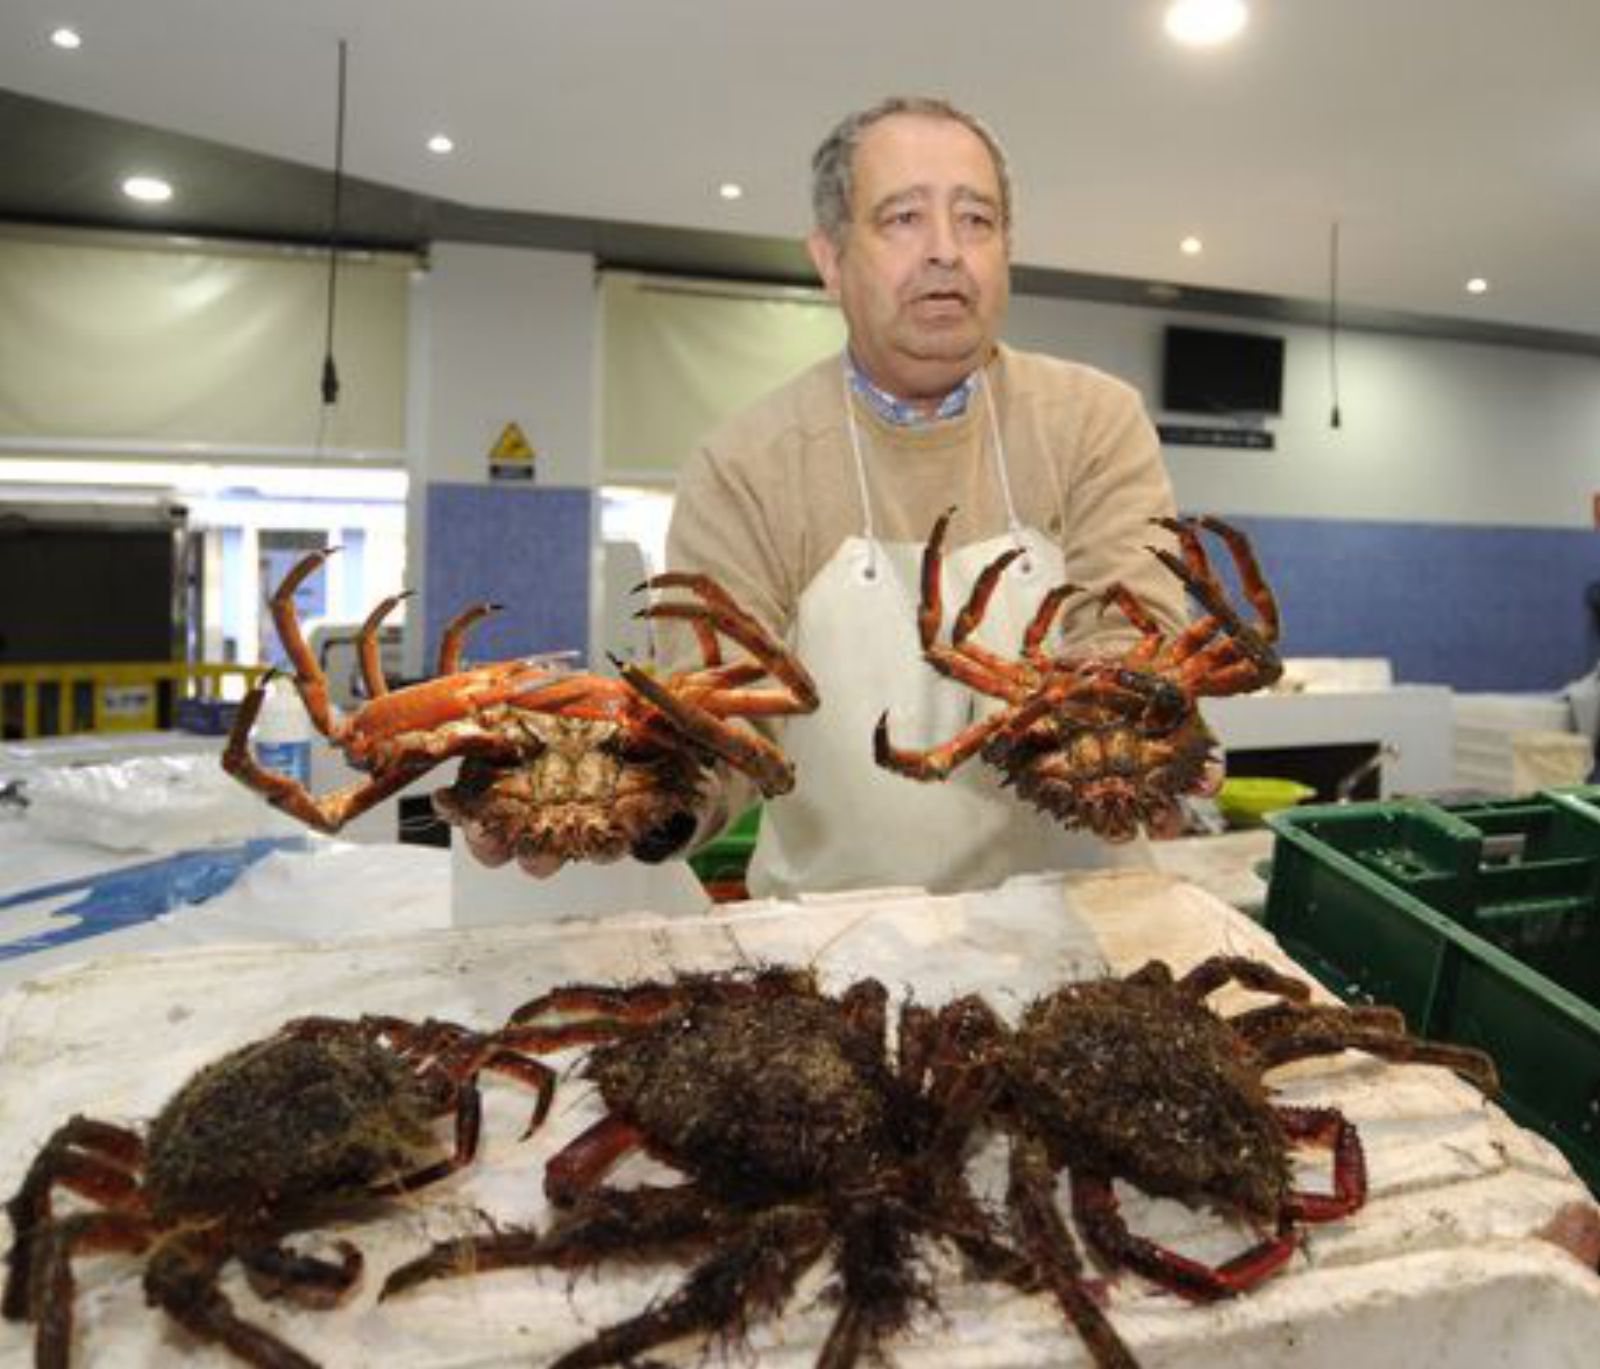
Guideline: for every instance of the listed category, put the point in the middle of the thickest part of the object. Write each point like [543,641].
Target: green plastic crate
[723,860]
[1479,921]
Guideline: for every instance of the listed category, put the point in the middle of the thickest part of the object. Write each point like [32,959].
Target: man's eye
[904,217]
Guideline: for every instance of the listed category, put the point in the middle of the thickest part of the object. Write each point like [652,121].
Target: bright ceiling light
[1205,23]
[1477,286]
[729,190]
[67,39]
[1190,246]
[441,143]
[148,189]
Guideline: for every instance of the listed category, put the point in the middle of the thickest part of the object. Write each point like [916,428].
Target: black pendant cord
[330,372]
[1333,323]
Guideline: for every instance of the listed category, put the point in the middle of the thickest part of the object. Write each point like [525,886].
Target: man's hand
[1172,821]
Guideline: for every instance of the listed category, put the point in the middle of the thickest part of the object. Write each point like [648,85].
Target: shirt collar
[902,414]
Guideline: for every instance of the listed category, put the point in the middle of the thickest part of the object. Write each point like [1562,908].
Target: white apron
[849,824]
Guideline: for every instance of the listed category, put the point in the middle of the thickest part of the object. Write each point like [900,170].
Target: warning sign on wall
[512,456]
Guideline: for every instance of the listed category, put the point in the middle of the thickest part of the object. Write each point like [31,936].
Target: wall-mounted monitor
[1208,371]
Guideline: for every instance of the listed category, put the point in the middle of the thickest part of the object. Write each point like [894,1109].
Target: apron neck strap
[853,427]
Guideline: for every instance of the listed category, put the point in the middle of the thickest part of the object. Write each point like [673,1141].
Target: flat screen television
[1207,371]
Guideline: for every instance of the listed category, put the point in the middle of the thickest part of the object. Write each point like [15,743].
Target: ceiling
[1447,138]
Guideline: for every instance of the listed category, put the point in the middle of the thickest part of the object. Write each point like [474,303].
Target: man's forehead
[905,151]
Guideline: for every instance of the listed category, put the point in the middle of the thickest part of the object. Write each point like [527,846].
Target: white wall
[1433,431]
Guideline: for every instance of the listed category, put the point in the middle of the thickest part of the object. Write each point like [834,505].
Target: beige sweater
[769,498]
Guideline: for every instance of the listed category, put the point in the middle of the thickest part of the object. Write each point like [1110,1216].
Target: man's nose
[943,245]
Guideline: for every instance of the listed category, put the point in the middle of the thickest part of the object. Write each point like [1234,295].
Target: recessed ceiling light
[730,190]
[1477,286]
[67,39]
[150,189]
[441,143]
[1205,23]
[1190,246]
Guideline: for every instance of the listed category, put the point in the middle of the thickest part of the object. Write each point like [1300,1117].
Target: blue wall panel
[1478,608]
[524,548]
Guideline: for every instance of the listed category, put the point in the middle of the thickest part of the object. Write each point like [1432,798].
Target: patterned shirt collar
[902,414]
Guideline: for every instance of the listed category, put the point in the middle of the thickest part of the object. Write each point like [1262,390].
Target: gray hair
[833,164]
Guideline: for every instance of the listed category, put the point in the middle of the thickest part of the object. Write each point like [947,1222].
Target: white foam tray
[1442,1261]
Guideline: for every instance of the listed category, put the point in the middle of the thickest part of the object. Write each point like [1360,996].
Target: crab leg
[745,751]
[1316,1036]
[598,1007]
[757,1274]
[1210,975]
[1094,1204]
[368,652]
[971,616]
[1039,625]
[962,660]
[1049,1244]
[930,613]
[937,762]
[53,1286]
[632,1222]
[92,1159]
[1251,580]
[181,1280]
[469,1125]
[1005,681]
[327,814]
[588,1158]
[307,1280]
[1262,1024]
[1242,638]
[309,681]
[455,633]
[709,590]
[1328,1128]
[1150,634]
[745,630]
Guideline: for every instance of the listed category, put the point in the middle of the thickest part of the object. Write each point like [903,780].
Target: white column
[499,335]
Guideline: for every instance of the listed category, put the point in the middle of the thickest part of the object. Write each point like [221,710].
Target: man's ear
[825,257]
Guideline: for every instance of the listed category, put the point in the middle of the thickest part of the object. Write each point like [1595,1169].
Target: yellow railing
[120,696]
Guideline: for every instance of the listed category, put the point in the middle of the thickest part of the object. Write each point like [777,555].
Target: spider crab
[1138,1079]
[799,1138]
[1109,744]
[316,1120]
[555,765]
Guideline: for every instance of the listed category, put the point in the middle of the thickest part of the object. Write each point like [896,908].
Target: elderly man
[813,509]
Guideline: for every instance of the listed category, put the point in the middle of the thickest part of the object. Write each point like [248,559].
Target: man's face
[922,273]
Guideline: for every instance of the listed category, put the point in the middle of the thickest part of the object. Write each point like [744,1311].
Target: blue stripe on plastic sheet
[133,894]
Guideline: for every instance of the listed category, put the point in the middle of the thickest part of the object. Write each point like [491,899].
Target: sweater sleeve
[1118,487]
[720,528]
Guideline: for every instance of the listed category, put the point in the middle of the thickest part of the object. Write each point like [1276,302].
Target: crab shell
[585,792]
[1112,779]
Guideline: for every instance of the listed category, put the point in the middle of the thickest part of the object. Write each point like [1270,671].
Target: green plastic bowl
[1246,802]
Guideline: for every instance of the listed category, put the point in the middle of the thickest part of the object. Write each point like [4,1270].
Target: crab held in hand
[556,765]
[314,1122]
[1105,743]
